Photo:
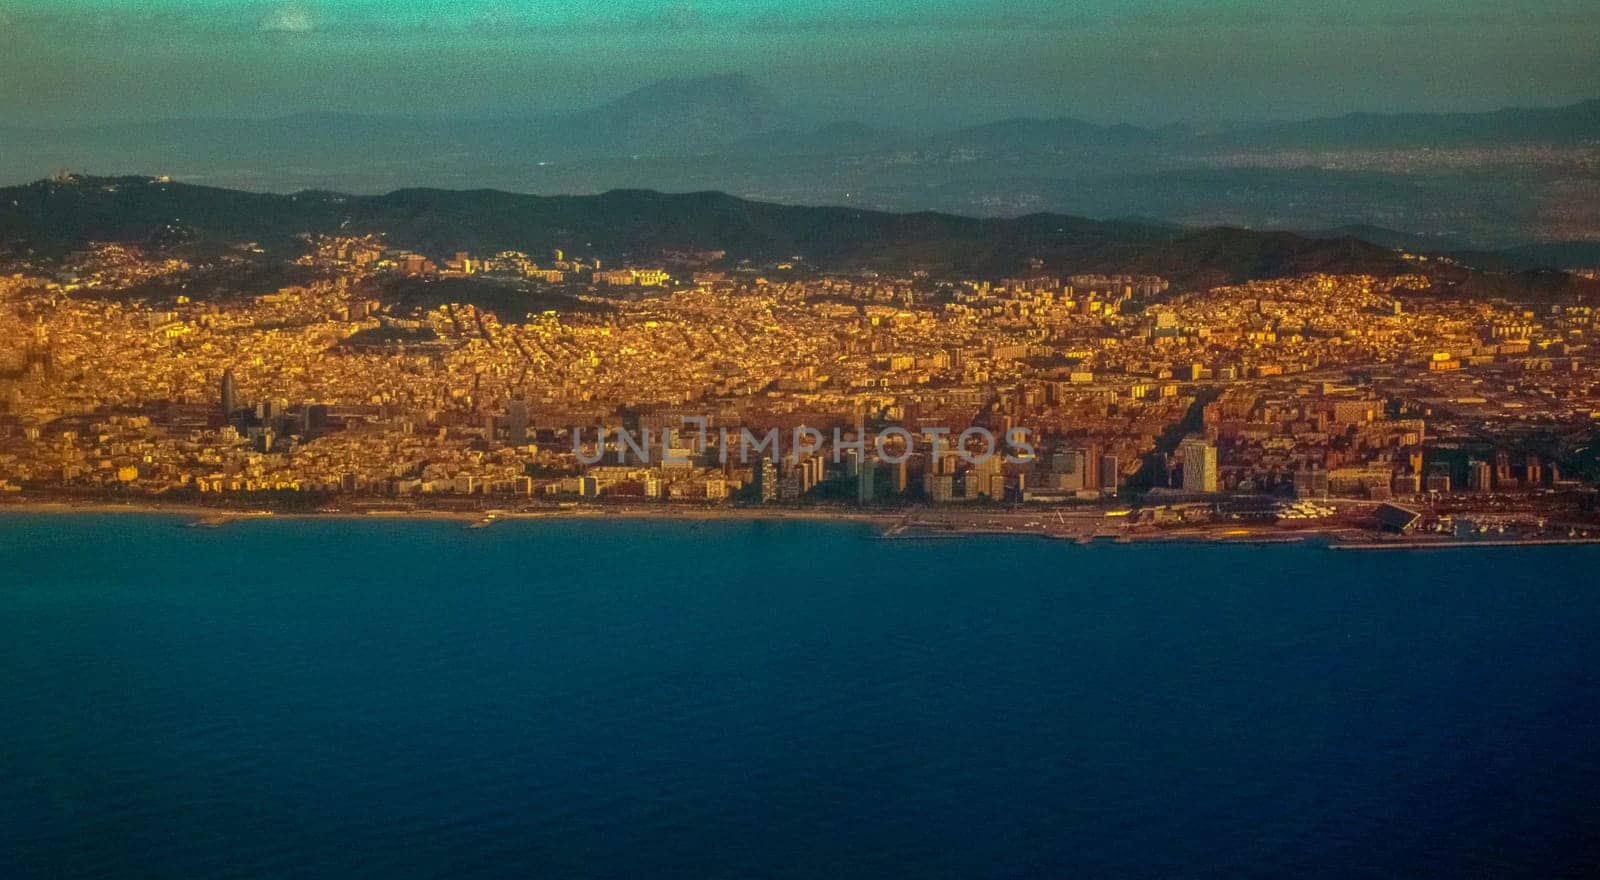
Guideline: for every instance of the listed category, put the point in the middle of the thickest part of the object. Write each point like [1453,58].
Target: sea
[616,698]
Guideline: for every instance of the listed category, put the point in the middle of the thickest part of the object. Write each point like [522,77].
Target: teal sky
[904,63]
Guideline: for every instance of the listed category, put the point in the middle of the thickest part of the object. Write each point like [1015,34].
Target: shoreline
[892,525]
[211,515]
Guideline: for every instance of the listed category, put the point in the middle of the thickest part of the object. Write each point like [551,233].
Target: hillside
[49,218]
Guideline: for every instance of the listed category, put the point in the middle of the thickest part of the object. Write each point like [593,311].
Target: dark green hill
[50,218]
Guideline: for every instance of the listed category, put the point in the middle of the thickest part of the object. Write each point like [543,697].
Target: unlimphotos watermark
[893,444]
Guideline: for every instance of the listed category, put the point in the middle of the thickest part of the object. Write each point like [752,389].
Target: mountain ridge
[1518,181]
[737,92]
[50,218]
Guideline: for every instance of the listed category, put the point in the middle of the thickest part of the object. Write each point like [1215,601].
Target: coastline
[907,524]
[214,516]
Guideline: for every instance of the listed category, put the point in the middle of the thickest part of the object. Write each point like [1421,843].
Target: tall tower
[1109,474]
[1480,476]
[517,422]
[230,394]
[766,480]
[1502,471]
[865,477]
[1199,465]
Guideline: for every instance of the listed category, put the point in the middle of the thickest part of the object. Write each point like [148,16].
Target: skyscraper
[1502,471]
[1109,474]
[766,479]
[230,393]
[866,475]
[986,479]
[517,422]
[1480,476]
[852,462]
[1199,465]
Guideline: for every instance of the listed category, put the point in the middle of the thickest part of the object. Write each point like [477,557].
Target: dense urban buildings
[518,380]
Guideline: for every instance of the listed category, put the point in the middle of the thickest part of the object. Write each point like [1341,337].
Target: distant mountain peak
[731,92]
[683,114]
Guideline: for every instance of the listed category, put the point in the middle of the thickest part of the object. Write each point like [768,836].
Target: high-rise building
[230,394]
[1199,465]
[981,480]
[790,487]
[1110,474]
[315,418]
[852,462]
[866,475]
[1502,471]
[808,472]
[1480,476]
[766,478]
[517,422]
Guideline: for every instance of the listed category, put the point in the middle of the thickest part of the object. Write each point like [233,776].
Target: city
[817,440]
[1332,403]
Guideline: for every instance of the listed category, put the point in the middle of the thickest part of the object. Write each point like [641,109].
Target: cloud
[290,18]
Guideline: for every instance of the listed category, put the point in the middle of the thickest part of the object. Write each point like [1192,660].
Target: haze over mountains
[1505,179]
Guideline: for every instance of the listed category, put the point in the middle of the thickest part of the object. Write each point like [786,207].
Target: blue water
[653,699]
